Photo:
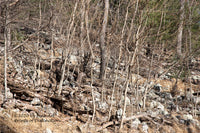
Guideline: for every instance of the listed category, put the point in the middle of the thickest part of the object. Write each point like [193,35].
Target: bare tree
[68,40]
[82,26]
[5,54]
[7,37]
[180,29]
[119,58]
[102,41]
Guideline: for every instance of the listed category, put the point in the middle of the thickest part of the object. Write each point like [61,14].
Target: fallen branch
[118,122]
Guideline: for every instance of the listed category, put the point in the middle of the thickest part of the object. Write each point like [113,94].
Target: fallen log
[20,90]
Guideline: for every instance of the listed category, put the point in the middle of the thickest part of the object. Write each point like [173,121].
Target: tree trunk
[102,41]
[66,53]
[7,37]
[82,27]
[180,29]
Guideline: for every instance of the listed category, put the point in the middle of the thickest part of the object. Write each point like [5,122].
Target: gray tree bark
[180,29]
[102,41]
[7,37]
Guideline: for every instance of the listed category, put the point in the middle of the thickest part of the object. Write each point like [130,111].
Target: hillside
[99,66]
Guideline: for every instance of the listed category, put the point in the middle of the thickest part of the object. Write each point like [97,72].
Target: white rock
[141,89]
[145,127]
[103,105]
[48,130]
[36,101]
[165,112]
[73,60]
[154,113]
[196,100]
[157,105]
[9,95]
[133,100]
[110,101]
[96,94]
[119,113]
[188,117]
[140,103]
[135,123]
[153,104]
[128,101]
[160,106]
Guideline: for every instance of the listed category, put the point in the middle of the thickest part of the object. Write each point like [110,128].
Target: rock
[135,123]
[1,98]
[133,101]
[141,89]
[9,104]
[102,106]
[171,106]
[86,108]
[188,117]
[43,54]
[91,127]
[46,83]
[196,100]
[157,88]
[65,82]
[182,121]
[166,95]
[180,98]
[9,94]
[119,113]
[33,114]
[161,107]
[110,101]
[72,85]
[153,95]
[16,110]
[140,103]
[1,110]
[71,78]
[48,130]
[153,113]
[162,100]
[128,102]
[97,96]
[73,60]
[50,110]
[145,127]
[157,105]
[195,79]
[36,101]
[189,94]
[6,115]
[165,112]
[196,122]
[169,75]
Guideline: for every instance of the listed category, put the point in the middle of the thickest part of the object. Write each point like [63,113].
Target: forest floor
[171,106]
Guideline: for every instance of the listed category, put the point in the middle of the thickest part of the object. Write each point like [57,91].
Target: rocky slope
[171,105]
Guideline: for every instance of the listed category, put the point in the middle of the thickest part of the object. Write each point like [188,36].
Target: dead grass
[30,125]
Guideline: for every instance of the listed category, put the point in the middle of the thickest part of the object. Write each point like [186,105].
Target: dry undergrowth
[28,124]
